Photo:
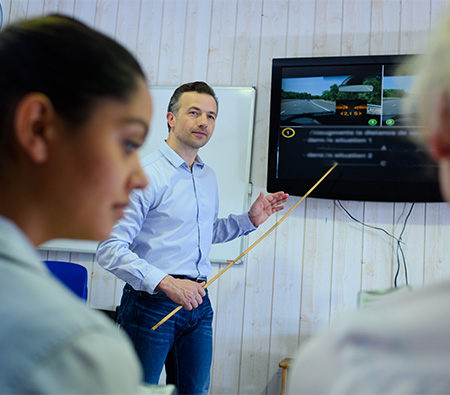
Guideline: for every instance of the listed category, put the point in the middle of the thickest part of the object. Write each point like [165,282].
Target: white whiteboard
[228,153]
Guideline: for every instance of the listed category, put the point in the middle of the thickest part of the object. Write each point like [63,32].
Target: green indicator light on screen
[372,122]
[390,122]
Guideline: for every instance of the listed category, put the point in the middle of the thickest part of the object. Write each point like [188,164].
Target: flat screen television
[347,110]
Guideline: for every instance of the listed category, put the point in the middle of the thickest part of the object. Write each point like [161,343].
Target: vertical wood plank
[328,28]
[64,7]
[437,234]
[172,43]
[247,42]
[356,27]
[213,290]
[273,45]
[228,330]
[377,247]
[128,24]
[35,9]
[413,245]
[106,16]
[348,242]
[317,261]
[228,325]
[196,41]
[221,42]
[287,277]
[415,26]
[84,10]
[300,33]
[439,10]
[149,38]
[6,8]
[257,311]
[17,12]
[244,64]
[385,27]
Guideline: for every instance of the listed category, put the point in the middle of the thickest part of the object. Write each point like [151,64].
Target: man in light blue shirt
[161,246]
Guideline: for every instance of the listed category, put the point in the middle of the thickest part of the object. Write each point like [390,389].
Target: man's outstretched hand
[264,207]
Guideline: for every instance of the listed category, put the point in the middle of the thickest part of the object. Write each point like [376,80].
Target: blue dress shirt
[169,226]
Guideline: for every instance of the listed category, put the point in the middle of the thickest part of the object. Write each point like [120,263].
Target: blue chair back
[74,276]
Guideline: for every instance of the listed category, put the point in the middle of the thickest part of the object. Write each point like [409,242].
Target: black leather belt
[197,280]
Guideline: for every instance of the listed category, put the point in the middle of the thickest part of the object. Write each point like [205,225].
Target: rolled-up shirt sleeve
[116,255]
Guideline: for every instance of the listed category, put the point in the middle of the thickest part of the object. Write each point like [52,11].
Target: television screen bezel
[386,191]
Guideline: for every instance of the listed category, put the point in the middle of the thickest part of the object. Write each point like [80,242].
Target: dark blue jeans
[183,343]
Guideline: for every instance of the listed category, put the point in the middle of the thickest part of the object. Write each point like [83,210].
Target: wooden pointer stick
[251,247]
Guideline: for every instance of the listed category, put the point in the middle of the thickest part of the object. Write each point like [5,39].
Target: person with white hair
[400,346]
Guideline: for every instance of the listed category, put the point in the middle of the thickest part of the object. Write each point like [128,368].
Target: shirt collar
[15,246]
[175,159]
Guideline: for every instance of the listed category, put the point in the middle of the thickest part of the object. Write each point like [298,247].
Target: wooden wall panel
[127,24]
[35,9]
[196,41]
[286,296]
[328,28]
[439,8]
[149,38]
[273,45]
[437,236]
[414,26]
[317,269]
[257,311]
[261,268]
[310,270]
[247,43]
[64,7]
[413,243]
[356,27]
[221,43]
[229,313]
[377,246]
[84,11]
[6,7]
[227,317]
[172,43]
[385,27]
[347,258]
[17,12]
[300,34]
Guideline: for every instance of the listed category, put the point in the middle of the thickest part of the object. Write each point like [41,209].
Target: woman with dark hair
[74,108]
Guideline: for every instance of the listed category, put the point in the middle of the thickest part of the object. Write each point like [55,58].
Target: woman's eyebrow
[137,121]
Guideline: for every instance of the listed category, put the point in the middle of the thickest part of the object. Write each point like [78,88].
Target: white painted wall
[311,268]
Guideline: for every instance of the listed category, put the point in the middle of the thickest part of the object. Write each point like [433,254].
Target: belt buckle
[199,279]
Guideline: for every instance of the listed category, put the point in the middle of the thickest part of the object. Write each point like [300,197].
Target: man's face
[193,125]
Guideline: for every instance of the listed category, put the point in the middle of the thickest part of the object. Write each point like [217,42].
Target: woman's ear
[33,119]
[439,138]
